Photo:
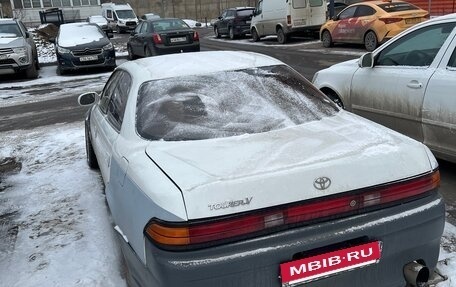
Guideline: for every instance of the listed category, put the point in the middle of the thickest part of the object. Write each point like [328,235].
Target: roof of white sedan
[197,63]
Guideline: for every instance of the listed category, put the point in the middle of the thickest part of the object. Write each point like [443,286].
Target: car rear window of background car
[397,7]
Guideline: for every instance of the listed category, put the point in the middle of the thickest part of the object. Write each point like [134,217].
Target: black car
[83,45]
[234,22]
[162,36]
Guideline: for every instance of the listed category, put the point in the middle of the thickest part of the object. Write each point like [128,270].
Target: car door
[105,123]
[392,92]
[228,21]
[135,42]
[343,27]
[364,19]
[439,113]
[222,24]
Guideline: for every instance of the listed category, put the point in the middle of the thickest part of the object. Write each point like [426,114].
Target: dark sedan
[234,22]
[162,36]
[83,45]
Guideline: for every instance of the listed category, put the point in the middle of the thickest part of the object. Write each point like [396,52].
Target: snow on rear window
[397,7]
[228,104]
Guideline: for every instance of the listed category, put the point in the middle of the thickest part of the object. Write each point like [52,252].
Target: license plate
[88,58]
[178,39]
[327,264]
[413,21]
[3,57]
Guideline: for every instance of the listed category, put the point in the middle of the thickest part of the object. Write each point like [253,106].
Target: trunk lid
[230,175]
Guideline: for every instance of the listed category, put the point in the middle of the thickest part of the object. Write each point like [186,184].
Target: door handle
[415,85]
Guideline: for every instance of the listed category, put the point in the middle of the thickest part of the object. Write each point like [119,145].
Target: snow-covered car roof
[196,63]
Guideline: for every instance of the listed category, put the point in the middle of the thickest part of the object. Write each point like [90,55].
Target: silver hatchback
[17,49]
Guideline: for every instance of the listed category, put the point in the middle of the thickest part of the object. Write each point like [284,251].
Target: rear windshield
[397,7]
[245,12]
[171,24]
[227,104]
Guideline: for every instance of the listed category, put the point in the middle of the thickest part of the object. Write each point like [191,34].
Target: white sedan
[407,84]
[231,169]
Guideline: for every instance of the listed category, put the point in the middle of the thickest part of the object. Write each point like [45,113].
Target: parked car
[17,49]
[234,22]
[81,46]
[408,84]
[121,17]
[229,168]
[149,16]
[162,36]
[101,22]
[371,23]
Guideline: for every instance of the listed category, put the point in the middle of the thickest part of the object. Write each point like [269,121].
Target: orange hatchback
[371,23]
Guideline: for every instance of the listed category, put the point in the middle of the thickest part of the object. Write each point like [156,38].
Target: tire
[118,31]
[281,37]
[370,41]
[216,32]
[130,56]
[31,72]
[92,161]
[231,33]
[326,39]
[335,98]
[60,71]
[255,36]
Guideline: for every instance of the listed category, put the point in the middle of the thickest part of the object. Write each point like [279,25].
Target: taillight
[157,39]
[289,20]
[391,20]
[199,233]
[195,36]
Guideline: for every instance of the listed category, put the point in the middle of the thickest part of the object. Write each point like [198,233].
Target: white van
[121,17]
[287,17]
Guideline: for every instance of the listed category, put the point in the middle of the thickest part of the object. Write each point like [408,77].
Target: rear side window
[227,104]
[315,3]
[364,10]
[299,3]
[397,7]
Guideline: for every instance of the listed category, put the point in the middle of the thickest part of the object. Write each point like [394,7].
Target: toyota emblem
[322,183]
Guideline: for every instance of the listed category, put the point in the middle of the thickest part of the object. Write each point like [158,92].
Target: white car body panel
[211,172]
[416,101]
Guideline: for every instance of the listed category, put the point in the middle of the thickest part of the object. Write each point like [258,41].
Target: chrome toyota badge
[322,183]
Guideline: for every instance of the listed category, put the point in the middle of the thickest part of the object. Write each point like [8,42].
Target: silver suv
[17,49]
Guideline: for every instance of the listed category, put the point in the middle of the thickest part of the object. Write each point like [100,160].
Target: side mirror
[366,61]
[198,24]
[27,34]
[132,33]
[52,40]
[87,98]
[219,17]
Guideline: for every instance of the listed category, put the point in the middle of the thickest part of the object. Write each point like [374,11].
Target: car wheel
[131,56]
[231,32]
[216,32]
[31,72]
[118,31]
[60,71]
[255,36]
[281,37]
[91,157]
[370,41]
[326,39]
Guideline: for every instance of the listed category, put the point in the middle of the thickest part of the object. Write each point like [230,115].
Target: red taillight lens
[391,20]
[157,39]
[196,36]
[170,235]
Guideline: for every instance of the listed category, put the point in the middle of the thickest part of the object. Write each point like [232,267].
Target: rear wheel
[281,37]
[231,33]
[31,72]
[60,71]
[91,157]
[370,41]
[326,39]
[255,36]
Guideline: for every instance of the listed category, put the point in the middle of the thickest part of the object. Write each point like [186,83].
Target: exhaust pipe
[416,274]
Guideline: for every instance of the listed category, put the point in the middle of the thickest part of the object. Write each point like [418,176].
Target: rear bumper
[409,232]
[163,50]
[241,30]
